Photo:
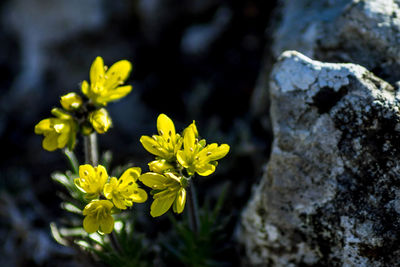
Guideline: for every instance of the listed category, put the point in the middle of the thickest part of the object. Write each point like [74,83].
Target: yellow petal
[102,175]
[43,126]
[139,196]
[63,139]
[155,180]
[89,208]
[189,140]
[97,71]
[115,94]
[106,204]
[119,203]
[182,159]
[215,152]
[110,187]
[151,146]
[180,200]
[178,143]
[133,173]
[166,127]
[193,128]
[50,142]
[205,169]
[86,171]
[90,224]
[107,224]
[85,88]
[173,177]
[117,74]
[161,205]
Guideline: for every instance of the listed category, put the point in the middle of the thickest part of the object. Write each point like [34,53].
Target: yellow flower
[100,120]
[71,101]
[124,191]
[167,143]
[196,157]
[91,180]
[168,189]
[98,217]
[58,132]
[105,85]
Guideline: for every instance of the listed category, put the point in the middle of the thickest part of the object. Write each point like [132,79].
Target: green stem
[91,150]
[193,208]
[73,161]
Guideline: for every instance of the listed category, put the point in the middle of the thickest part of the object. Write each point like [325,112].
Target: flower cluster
[86,113]
[107,195]
[178,158]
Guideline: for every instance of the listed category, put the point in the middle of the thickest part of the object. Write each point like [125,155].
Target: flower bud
[71,101]
[100,120]
[160,166]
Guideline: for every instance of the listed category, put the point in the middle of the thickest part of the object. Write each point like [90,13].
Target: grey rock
[304,23]
[364,32]
[330,192]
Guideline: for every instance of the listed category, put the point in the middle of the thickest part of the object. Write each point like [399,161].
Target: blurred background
[192,60]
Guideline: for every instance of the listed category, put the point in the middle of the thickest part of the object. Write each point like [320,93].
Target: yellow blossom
[71,101]
[105,85]
[167,143]
[124,191]
[196,156]
[168,190]
[98,217]
[100,120]
[58,132]
[91,180]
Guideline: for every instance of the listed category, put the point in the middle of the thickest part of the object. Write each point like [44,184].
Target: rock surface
[363,32]
[330,195]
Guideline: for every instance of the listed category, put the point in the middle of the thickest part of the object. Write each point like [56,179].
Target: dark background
[193,60]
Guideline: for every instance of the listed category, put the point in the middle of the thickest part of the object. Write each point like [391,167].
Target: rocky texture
[364,32]
[330,195]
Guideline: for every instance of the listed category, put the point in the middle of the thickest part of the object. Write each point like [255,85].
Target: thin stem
[91,151]
[73,161]
[193,208]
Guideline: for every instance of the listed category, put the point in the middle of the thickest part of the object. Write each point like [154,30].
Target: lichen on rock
[330,192]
